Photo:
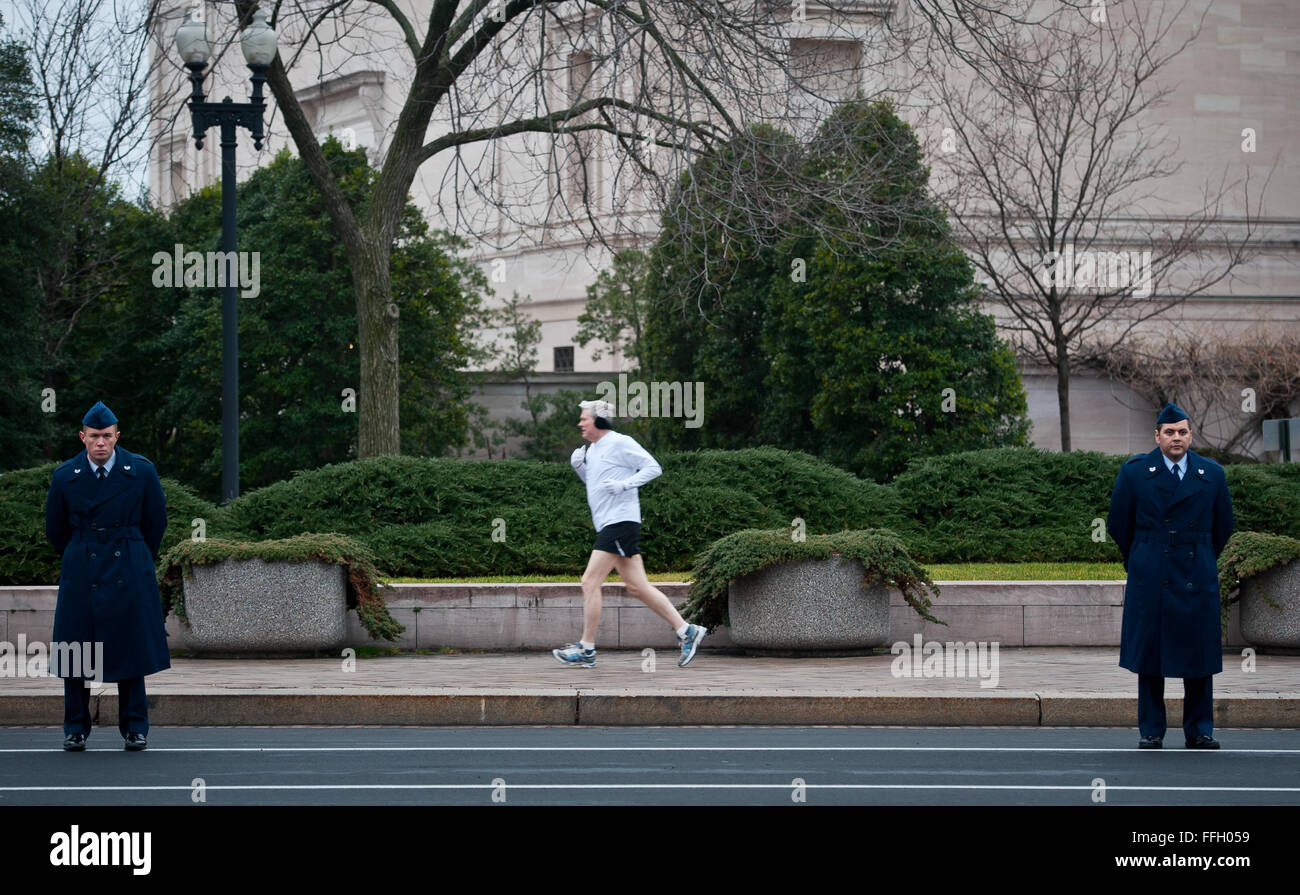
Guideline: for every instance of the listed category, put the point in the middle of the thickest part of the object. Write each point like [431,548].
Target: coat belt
[1173,537]
[106,533]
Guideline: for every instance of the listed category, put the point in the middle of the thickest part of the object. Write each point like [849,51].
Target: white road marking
[778,786]
[669,749]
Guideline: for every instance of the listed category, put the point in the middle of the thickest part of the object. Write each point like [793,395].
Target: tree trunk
[1063,395]
[368,246]
[379,430]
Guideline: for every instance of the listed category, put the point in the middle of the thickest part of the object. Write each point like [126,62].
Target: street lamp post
[258,44]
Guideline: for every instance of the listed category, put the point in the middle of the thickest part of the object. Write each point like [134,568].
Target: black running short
[620,538]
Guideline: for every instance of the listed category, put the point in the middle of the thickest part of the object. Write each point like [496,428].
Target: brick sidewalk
[1045,686]
[1058,670]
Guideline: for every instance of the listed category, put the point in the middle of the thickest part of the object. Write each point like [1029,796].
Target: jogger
[613,466]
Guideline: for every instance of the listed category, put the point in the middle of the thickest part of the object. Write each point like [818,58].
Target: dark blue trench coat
[108,534]
[1170,534]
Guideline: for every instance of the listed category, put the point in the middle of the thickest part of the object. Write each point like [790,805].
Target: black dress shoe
[1151,743]
[1203,742]
[135,742]
[74,742]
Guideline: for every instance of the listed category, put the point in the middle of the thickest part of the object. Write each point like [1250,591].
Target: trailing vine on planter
[363,578]
[880,551]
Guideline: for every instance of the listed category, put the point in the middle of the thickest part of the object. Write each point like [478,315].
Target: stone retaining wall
[543,616]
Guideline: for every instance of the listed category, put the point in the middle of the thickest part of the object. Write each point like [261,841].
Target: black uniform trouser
[1198,706]
[132,707]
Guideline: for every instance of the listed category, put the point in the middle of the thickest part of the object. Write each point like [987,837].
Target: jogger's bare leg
[632,570]
[598,568]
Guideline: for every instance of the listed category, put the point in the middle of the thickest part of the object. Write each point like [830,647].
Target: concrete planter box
[814,607]
[250,607]
[1266,626]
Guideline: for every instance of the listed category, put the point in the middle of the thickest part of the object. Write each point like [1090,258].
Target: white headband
[598,408]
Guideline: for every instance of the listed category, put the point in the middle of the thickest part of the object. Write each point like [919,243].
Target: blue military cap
[99,416]
[1171,414]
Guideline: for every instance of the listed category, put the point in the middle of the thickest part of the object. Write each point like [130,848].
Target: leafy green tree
[297,334]
[705,289]
[549,431]
[877,362]
[484,433]
[67,236]
[17,97]
[101,324]
[68,250]
[20,364]
[514,350]
[864,357]
[884,356]
[615,311]
[512,355]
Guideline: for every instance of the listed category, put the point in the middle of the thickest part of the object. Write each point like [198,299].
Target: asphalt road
[647,766]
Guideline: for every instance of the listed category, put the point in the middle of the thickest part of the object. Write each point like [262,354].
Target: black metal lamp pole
[228,116]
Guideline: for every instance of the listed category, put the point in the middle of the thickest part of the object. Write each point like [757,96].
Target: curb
[428,707]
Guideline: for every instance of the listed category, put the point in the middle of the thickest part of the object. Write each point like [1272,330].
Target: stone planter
[250,607]
[1266,626]
[814,607]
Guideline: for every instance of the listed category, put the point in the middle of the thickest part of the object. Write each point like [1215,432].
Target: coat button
[93,555]
[1190,586]
[117,552]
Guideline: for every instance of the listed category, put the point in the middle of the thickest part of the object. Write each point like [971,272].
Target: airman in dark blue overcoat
[1170,516]
[105,515]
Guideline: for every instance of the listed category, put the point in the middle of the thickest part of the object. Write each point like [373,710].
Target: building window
[581,146]
[177,180]
[824,72]
[564,359]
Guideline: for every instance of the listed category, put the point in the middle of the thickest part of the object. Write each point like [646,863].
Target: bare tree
[90,65]
[91,62]
[1226,387]
[1049,156]
[555,121]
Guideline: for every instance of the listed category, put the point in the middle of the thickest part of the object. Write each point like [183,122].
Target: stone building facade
[1238,83]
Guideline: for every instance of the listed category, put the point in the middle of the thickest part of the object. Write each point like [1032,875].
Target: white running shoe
[690,643]
[573,654]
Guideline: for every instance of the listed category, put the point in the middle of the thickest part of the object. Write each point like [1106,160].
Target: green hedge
[432,517]
[1266,498]
[1007,505]
[26,557]
[436,517]
[1027,505]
